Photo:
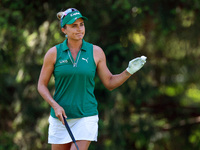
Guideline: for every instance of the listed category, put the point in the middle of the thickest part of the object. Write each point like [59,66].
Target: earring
[66,35]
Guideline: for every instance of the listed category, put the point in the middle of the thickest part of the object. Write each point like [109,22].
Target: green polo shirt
[74,85]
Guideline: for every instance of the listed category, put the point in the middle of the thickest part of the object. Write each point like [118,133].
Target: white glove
[136,64]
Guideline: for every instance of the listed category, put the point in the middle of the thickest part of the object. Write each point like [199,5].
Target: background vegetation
[156,109]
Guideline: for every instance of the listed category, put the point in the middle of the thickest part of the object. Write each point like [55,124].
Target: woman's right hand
[60,112]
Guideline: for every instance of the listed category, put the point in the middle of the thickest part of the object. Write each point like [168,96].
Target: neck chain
[73,62]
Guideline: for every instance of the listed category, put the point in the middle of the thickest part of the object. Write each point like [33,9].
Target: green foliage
[156,109]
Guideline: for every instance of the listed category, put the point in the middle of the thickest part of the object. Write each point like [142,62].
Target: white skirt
[85,128]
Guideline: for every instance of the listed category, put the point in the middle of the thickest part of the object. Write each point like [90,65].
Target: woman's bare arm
[109,80]
[45,75]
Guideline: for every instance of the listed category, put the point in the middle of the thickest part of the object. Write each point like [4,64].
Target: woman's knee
[82,145]
[61,146]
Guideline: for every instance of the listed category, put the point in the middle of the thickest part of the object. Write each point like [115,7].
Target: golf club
[70,133]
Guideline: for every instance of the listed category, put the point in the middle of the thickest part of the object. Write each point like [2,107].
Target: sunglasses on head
[68,11]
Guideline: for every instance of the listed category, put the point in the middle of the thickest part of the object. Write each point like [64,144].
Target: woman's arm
[45,75]
[109,80]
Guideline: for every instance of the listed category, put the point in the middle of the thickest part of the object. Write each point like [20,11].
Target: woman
[74,64]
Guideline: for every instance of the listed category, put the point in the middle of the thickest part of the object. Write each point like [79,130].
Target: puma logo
[85,59]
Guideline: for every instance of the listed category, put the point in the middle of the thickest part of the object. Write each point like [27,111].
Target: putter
[70,133]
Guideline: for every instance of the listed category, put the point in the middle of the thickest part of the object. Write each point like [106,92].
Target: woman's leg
[82,145]
[61,146]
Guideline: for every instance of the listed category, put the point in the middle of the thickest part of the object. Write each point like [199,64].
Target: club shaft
[70,132]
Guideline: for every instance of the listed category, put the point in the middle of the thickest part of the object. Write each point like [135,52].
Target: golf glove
[136,64]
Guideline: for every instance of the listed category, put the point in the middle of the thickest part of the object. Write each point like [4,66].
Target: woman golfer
[74,64]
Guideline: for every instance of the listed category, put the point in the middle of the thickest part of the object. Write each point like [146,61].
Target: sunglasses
[68,11]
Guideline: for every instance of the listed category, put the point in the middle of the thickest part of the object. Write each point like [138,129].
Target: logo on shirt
[86,59]
[63,61]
